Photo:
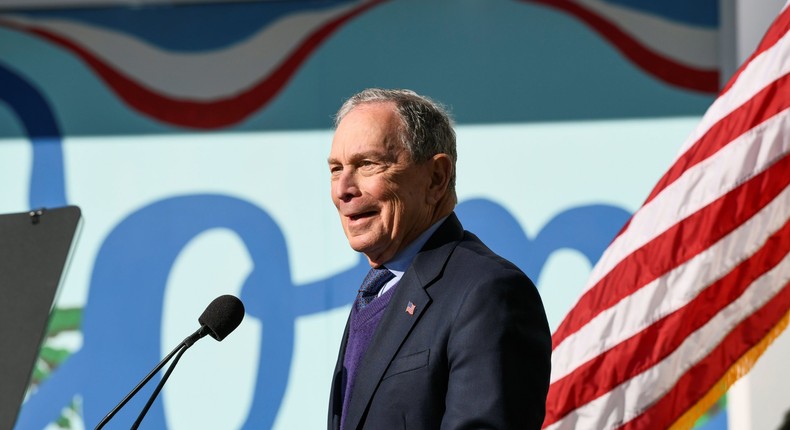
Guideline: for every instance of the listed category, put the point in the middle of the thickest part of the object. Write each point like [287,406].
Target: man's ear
[441,169]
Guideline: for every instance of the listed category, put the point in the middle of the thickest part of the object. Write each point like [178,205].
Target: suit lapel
[397,322]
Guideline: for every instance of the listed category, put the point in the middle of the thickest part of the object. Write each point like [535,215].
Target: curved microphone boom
[220,318]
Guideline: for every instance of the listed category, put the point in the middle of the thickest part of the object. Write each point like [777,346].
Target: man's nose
[345,187]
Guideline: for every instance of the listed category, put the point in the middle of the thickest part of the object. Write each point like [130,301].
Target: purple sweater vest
[360,332]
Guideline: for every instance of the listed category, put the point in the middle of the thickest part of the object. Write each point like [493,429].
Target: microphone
[220,318]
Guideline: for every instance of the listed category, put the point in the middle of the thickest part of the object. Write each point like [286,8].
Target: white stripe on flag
[762,70]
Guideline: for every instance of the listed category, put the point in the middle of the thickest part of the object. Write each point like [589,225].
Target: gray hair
[427,127]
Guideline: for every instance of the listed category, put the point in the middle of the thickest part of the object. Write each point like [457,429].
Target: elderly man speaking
[444,333]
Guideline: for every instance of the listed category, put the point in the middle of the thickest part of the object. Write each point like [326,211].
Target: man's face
[380,194]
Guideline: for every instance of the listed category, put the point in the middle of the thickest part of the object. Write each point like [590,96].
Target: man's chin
[372,253]
[362,248]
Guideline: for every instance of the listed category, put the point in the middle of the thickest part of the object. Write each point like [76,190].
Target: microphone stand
[159,386]
[186,343]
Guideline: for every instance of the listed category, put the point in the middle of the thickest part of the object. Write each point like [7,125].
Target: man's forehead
[354,152]
[370,129]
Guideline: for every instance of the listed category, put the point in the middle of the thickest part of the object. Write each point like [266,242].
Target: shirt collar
[402,260]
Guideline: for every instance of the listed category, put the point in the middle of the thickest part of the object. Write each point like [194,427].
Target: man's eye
[335,170]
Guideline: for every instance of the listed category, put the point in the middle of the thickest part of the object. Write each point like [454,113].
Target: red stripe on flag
[700,379]
[617,365]
[765,104]
[677,245]
[775,32]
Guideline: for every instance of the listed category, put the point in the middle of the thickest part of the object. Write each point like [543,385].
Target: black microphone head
[222,316]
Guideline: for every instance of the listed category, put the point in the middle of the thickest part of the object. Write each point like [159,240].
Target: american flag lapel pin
[410,308]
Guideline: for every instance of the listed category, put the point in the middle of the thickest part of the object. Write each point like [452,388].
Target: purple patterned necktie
[373,282]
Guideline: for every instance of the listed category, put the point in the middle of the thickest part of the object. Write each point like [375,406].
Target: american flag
[697,284]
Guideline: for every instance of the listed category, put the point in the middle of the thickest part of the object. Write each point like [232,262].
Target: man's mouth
[354,217]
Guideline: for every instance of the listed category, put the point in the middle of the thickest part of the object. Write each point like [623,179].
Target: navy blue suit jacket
[474,353]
